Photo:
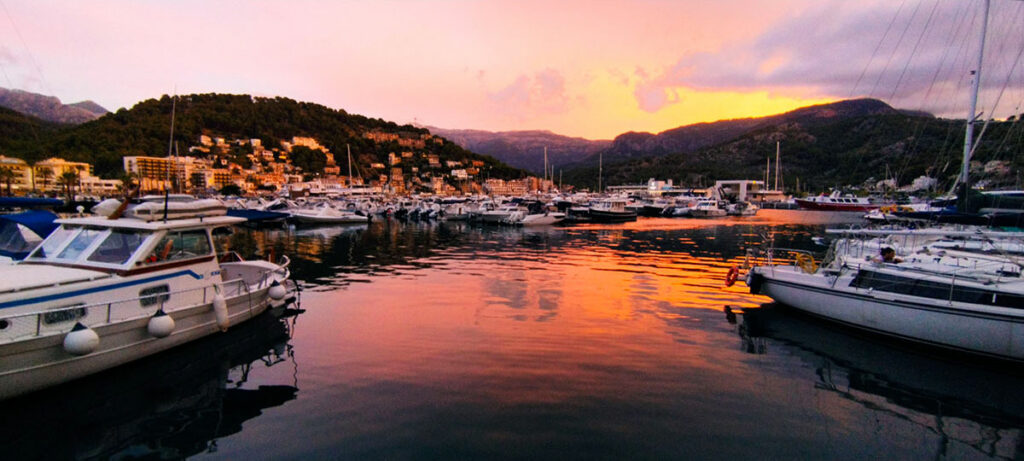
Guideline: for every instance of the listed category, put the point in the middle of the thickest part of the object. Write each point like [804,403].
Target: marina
[458,340]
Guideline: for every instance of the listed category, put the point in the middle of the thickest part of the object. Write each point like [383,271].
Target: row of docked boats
[525,211]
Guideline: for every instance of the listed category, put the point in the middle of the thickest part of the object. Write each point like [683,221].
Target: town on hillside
[301,166]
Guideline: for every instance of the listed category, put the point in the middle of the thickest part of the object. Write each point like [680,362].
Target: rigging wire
[895,49]
[877,47]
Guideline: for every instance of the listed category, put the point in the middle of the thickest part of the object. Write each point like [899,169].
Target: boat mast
[971,116]
[600,161]
[776,165]
[349,151]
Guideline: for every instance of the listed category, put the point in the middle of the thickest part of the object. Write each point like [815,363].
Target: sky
[592,69]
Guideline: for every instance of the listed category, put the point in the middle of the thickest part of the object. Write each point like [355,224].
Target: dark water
[455,341]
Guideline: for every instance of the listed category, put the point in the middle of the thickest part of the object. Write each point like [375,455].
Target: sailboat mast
[975,83]
[600,161]
[776,165]
[349,151]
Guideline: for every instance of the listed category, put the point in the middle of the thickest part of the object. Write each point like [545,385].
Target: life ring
[807,263]
[730,278]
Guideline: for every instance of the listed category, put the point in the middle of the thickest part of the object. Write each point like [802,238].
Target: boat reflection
[977,405]
[327,258]
[173,405]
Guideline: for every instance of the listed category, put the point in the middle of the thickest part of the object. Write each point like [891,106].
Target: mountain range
[524,149]
[50,108]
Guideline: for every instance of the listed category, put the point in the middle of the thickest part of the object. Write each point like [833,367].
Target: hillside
[145,129]
[50,108]
[691,138]
[525,149]
[837,151]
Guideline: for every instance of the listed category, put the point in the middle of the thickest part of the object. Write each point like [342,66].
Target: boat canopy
[41,222]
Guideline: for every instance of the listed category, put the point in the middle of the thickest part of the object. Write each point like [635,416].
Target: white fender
[160,324]
[81,340]
[220,309]
[277,291]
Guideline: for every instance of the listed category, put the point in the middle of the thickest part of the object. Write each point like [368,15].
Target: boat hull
[992,332]
[606,216]
[41,362]
[820,206]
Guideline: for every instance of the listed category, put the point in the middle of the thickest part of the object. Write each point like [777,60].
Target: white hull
[42,362]
[546,219]
[713,213]
[989,330]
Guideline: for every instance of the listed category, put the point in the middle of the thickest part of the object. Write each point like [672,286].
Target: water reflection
[974,408]
[172,405]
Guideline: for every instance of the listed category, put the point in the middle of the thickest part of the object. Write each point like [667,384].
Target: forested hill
[145,130]
[837,152]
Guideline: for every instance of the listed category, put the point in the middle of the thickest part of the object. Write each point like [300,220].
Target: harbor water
[457,341]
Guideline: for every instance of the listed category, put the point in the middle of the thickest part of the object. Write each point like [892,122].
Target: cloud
[914,55]
[543,93]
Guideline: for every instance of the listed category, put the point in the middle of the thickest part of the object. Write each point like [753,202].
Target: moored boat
[961,290]
[838,202]
[100,292]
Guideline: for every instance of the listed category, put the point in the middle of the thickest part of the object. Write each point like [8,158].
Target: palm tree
[128,180]
[7,175]
[44,173]
[68,180]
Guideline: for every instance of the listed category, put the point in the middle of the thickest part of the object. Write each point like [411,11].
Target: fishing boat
[101,291]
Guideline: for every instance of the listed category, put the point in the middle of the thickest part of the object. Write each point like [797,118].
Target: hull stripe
[85,291]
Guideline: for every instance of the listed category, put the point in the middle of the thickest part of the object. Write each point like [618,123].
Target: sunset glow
[590,69]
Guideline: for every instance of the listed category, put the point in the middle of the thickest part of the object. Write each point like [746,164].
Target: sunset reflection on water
[451,340]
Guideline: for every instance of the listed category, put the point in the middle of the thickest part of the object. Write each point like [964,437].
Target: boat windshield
[118,247]
[53,243]
[91,245]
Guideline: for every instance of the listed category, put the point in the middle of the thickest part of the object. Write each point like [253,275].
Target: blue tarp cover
[38,221]
[28,202]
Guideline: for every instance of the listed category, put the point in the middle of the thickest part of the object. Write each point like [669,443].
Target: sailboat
[955,288]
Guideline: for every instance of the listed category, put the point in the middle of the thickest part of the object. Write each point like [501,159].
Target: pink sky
[589,68]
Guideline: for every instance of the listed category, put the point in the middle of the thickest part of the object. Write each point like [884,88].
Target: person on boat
[887,255]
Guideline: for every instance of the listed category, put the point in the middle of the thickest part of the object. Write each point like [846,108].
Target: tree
[311,161]
[44,173]
[231,189]
[7,175]
[67,181]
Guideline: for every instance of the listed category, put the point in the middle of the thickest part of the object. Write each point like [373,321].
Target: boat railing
[46,322]
[771,257]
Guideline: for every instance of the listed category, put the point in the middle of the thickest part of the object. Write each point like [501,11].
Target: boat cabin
[128,246]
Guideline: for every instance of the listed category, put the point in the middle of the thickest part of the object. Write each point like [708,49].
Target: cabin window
[934,290]
[154,295]
[54,242]
[64,314]
[79,244]
[118,247]
[180,245]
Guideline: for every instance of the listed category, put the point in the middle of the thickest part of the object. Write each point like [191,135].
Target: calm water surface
[458,341]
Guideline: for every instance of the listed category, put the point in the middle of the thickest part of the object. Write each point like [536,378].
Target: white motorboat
[547,218]
[741,209]
[100,292]
[707,209]
[499,215]
[956,289]
[326,214]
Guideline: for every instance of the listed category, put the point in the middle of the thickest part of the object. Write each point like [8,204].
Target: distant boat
[837,201]
[611,211]
[707,209]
